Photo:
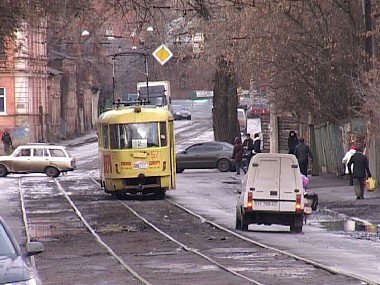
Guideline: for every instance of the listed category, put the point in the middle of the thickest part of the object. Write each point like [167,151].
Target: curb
[83,142]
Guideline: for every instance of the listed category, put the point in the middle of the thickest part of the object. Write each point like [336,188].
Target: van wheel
[3,171]
[296,226]
[223,165]
[237,222]
[52,171]
[244,223]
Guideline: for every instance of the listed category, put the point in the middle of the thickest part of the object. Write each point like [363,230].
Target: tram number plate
[266,203]
[140,165]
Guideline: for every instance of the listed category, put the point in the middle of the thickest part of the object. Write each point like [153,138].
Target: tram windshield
[137,135]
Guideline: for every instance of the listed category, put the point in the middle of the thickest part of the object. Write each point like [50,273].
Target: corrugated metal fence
[329,146]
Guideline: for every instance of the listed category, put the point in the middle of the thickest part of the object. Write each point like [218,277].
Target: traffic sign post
[162,54]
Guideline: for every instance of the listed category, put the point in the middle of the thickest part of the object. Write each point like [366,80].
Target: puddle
[350,225]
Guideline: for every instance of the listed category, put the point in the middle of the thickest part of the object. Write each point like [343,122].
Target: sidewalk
[336,196]
[89,137]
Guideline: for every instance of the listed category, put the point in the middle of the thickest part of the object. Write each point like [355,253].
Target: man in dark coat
[292,141]
[359,172]
[256,144]
[7,142]
[248,147]
[303,153]
[237,155]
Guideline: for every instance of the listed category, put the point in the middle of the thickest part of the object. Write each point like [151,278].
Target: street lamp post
[147,76]
[113,79]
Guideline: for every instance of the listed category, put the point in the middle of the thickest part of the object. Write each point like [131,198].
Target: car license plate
[266,203]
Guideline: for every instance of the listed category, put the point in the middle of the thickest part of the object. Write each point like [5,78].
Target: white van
[272,193]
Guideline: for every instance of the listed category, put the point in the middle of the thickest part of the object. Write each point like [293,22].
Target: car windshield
[137,135]
[6,246]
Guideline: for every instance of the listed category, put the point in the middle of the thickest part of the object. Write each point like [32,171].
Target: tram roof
[125,114]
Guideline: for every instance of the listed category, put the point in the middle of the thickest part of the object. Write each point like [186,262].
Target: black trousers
[303,167]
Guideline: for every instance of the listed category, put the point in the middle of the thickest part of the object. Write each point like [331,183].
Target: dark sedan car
[14,266]
[206,155]
[181,113]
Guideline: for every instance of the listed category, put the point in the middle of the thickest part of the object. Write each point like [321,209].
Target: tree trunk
[225,103]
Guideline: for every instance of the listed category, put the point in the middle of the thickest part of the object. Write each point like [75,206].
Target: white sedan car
[37,158]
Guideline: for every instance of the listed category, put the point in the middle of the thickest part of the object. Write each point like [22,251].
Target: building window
[2,100]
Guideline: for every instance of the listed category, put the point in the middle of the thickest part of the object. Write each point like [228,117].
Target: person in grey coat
[358,167]
[303,153]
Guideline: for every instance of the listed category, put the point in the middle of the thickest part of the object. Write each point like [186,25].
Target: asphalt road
[329,236]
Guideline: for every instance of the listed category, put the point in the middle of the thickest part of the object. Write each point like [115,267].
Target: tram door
[172,154]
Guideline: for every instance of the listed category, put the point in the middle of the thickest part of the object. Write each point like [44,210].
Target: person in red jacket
[237,155]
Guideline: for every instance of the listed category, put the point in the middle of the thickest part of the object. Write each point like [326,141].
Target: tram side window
[105,136]
[163,138]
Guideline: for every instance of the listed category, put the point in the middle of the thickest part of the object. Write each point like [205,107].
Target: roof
[128,115]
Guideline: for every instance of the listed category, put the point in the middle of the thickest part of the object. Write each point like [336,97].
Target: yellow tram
[137,150]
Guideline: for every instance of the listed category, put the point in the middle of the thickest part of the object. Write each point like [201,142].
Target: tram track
[155,242]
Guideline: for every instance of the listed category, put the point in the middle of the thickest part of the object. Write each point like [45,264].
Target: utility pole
[147,77]
[113,79]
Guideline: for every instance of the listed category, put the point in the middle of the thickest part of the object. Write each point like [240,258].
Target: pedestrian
[345,161]
[237,155]
[256,143]
[303,153]
[358,166]
[248,146]
[292,142]
[7,142]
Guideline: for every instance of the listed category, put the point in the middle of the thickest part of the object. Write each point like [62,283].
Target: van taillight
[298,203]
[249,201]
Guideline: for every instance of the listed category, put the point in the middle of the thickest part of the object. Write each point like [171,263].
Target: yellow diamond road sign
[162,54]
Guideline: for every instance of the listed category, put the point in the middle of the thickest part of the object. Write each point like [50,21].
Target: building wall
[53,122]
[23,73]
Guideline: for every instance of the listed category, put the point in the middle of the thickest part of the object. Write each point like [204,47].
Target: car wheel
[52,171]
[179,170]
[3,171]
[223,165]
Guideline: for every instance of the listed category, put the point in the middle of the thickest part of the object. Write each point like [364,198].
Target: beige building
[23,81]
[40,103]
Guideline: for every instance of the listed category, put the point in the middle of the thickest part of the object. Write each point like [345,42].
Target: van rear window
[267,170]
